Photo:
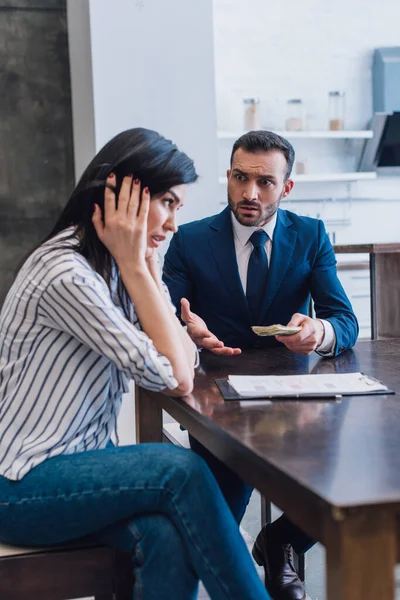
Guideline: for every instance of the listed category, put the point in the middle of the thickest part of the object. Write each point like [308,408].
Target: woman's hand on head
[124,229]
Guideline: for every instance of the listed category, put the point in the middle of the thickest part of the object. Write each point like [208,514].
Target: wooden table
[384,261]
[332,466]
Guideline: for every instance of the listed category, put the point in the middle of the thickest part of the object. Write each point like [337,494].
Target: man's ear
[287,188]
[228,173]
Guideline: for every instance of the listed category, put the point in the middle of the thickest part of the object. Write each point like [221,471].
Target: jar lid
[295,101]
[336,93]
[251,100]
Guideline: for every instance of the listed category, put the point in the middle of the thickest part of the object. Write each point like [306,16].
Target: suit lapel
[223,250]
[283,244]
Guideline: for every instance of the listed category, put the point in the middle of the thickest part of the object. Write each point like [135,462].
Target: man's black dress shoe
[281,579]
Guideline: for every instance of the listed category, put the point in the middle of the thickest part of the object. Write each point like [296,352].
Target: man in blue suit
[256,264]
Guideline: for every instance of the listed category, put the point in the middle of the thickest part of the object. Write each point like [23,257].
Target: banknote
[275,330]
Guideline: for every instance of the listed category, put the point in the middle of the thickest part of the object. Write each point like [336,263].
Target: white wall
[151,65]
[290,49]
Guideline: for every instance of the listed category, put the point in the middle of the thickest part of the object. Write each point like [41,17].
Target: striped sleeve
[82,306]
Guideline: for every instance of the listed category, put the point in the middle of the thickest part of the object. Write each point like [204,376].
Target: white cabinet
[356,283]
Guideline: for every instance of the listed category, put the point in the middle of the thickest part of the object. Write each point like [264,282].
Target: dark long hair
[140,152]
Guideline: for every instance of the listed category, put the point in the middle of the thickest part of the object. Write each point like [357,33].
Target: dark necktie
[257,274]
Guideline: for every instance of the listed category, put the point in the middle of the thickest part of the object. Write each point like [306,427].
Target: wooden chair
[76,570]
[174,435]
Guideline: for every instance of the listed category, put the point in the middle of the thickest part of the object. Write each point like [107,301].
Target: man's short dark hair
[264,141]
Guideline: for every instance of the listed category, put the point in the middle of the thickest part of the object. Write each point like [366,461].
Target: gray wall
[36,149]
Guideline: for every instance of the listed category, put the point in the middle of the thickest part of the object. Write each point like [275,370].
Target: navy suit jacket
[201,265]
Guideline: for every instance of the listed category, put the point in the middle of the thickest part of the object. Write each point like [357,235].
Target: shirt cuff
[157,372]
[327,348]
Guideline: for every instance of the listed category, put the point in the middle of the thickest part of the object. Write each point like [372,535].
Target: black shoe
[281,579]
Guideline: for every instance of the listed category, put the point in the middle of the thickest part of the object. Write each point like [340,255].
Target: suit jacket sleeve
[176,274]
[330,299]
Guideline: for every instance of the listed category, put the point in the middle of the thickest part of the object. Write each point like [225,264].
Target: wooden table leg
[361,555]
[265,511]
[387,295]
[148,417]
[373,299]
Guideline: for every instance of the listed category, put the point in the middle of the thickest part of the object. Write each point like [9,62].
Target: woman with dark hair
[87,313]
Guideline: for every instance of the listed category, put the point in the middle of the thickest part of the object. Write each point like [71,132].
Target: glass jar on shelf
[336,111]
[251,113]
[300,166]
[295,115]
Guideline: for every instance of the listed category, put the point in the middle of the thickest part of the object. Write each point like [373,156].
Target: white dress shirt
[244,248]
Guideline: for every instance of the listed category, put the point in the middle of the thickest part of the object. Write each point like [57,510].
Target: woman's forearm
[190,351]
[158,322]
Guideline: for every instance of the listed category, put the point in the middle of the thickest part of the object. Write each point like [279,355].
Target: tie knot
[258,238]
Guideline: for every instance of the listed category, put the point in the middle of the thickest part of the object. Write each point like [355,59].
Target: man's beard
[260,217]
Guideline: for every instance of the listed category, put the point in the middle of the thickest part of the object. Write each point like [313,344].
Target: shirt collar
[243,233]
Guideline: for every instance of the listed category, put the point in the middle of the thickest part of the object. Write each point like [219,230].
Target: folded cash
[276,330]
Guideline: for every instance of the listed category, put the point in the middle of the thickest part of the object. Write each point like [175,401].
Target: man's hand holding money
[308,339]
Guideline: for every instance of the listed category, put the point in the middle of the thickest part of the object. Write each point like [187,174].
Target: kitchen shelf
[320,177]
[317,134]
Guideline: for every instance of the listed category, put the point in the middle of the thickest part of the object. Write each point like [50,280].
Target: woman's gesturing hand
[124,230]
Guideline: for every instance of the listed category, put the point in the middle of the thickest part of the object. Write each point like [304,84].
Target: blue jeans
[237,494]
[156,501]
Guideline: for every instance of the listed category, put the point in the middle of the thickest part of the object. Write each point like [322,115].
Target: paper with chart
[336,384]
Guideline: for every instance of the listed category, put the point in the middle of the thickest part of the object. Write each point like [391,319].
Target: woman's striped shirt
[69,346]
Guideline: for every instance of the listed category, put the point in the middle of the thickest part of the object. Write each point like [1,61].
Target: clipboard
[229,393]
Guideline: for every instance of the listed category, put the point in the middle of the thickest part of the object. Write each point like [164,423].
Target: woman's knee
[192,462]
[189,466]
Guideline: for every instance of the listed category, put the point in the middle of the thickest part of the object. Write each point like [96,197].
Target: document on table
[331,385]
